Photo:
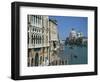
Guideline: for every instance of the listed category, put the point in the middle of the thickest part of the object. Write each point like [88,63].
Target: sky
[66,23]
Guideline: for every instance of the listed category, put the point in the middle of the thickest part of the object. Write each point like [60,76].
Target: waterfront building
[85,41]
[38,40]
[54,40]
[79,35]
[73,34]
[76,38]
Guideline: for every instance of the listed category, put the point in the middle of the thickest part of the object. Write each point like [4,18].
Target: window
[39,22]
[36,39]
[43,30]
[36,20]
[28,28]
[46,39]
[33,19]
[40,39]
[32,39]
[33,29]
[28,38]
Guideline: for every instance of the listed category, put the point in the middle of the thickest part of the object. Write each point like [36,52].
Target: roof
[54,21]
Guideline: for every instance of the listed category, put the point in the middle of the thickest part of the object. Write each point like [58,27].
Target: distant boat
[75,56]
[71,47]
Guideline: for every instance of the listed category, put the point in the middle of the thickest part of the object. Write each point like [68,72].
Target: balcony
[37,45]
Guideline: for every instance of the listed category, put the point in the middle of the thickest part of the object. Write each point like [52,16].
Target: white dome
[73,33]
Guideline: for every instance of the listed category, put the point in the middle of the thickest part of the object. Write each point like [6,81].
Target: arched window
[36,19]
[28,38]
[33,19]
[46,39]
[40,39]
[32,39]
[39,20]
[33,29]
[42,29]
[36,39]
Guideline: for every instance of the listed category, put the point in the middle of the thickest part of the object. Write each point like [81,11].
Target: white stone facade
[38,34]
[73,34]
[42,40]
[38,40]
[79,35]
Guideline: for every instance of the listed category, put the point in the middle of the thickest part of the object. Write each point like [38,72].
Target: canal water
[74,55]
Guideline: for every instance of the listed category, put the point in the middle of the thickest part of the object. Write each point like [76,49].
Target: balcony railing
[37,45]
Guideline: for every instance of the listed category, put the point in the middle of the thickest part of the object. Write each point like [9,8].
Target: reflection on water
[74,55]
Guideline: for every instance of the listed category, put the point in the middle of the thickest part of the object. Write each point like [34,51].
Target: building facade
[38,40]
[79,35]
[54,41]
[73,34]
